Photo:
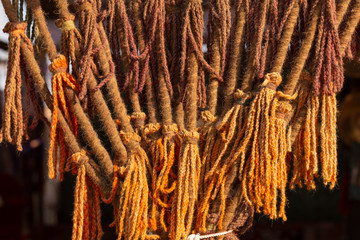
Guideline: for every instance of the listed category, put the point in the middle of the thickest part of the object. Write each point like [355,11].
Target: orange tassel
[133,199]
[163,154]
[60,77]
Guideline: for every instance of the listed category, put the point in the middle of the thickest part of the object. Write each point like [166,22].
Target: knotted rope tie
[170,130]
[152,128]
[272,80]
[78,158]
[66,23]
[138,118]
[129,137]
[15,29]
[241,97]
[198,236]
[58,67]
[208,117]
[191,137]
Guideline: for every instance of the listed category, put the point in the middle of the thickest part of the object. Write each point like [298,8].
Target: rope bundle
[181,139]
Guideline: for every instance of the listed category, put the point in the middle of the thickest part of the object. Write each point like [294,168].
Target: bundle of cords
[184,138]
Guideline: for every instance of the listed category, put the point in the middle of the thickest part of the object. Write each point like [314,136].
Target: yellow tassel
[80,197]
[328,140]
[305,156]
[133,199]
[277,177]
[257,128]
[230,127]
[163,153]
[187,189]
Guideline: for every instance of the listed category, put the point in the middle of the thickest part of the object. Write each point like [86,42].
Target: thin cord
[198,237]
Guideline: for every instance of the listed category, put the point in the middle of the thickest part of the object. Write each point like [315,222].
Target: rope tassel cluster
[15,123]
[183,139]
[60,79]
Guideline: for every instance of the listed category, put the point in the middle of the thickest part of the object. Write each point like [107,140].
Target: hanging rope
[59,80]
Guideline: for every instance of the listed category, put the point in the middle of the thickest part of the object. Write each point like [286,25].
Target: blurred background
[33,207]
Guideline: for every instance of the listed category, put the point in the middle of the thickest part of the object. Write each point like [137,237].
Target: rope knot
[139,118]
[78,158]
[129,137]
[191,137]
[240,96]
[272,80]
[208,117]
[15,28]
[58,65]
[170,130]
[152,128]
[66,23]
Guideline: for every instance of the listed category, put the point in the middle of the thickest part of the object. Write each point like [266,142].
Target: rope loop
[272,80]
[78,158]
[59,64]
[281,94]
[241,97]
[152,128]
[208,117]
[15,28]
[239,94]
[138,115]
[170,130]
[129,137]
[191,137]
[138,118]
[66,24]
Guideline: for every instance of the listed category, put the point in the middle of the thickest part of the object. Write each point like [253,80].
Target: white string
[198,237]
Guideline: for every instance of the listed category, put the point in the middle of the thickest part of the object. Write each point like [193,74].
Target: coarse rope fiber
[184,132]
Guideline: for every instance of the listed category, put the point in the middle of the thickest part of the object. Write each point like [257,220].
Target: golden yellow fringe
[212,154]
[187,191]
[163,154]
[133,199]
[328,140]
[80,226]
[257,129]
[310,138]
